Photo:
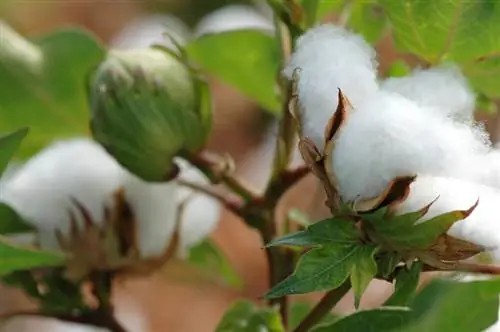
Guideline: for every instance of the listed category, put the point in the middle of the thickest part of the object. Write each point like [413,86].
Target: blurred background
[168,301]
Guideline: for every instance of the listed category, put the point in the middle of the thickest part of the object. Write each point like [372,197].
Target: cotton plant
[411,180]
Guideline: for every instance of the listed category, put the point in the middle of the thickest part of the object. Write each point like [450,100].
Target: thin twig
[323,307]
[231,203]
[210,166]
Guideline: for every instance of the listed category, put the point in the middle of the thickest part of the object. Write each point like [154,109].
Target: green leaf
[42,84]
[320,269]
[383,319]
[402,232]
[244,316]
[368,19]
[299,217]
[425,233]
[328,231]
[14,257]
[247,59]
[387,263]
[453,306]
[398,68]
[406,285]
[299,310]
[9,145]
[465,32]
[363,271]
[317,10]
[208,257]
[11,222]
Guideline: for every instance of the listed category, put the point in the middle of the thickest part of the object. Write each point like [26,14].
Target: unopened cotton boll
[480,227]
[234,17]
[330,58]
[390,136]
[41,191]
[443,88]
[150,30]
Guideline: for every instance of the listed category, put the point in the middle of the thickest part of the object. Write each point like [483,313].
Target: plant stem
[232,204]
[323,307]
[211,168]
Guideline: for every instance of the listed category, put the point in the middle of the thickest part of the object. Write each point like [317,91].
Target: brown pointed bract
[395,193]
[338,118]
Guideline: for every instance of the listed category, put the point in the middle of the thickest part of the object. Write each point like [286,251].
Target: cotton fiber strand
[444,89]
[330,58]
[391,136]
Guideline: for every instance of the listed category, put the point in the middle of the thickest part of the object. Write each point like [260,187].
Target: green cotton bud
[147,106]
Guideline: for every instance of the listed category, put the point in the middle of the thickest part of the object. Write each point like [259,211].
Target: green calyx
[146,108]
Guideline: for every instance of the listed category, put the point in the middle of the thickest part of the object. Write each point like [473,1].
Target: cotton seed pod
[147,107]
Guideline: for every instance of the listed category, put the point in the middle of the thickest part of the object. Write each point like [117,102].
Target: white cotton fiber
[481,227]
[200,212]
[154,207]
[390,136]
[234,17]
[150,30]
[442,88]
[42,189]
[330,58]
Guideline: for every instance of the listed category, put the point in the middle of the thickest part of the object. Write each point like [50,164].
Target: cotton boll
[149,30]
[330,58]
[481,227]
[390,136]
[200,213]
[155,211]
[234,17]
[41,190]
[442,88]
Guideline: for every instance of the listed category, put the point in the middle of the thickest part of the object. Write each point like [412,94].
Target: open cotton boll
[150,30]
[42,189]
[442,88]
[199,213]
[481,227]
[390,136]
[234,17]
[330,58]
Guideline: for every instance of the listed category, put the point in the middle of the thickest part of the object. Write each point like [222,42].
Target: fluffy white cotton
[442,88]
[42,189]
[390,136]
[200,213]
[330,58]
[481,227]
[154,208]
[157,207]
[234,17]
[150,30]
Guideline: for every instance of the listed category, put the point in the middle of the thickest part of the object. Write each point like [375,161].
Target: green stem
[323,307]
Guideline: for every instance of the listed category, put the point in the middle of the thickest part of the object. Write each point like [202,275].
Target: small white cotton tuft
[234,17]
[330,58]
[151,30]
[42,189]
[481,227]
[155,210]
[390,136]
[442,88]
[199,213]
